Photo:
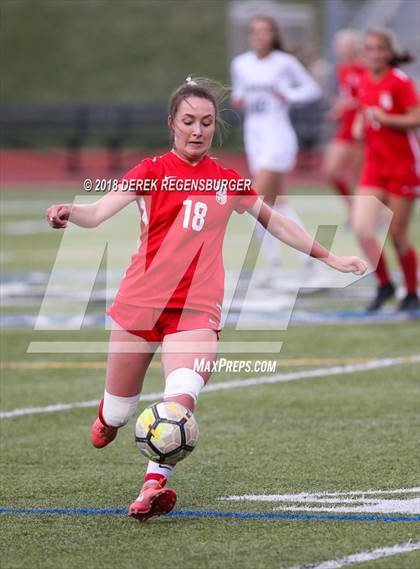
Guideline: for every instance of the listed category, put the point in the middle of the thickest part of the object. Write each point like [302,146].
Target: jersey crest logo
[385,100]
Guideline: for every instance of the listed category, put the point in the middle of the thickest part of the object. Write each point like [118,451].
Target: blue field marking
[209,514]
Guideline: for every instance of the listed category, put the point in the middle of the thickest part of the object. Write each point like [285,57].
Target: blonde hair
[350,36]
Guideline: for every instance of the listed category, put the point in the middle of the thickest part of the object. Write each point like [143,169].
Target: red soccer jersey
[179,261]
[348,76]
[390,149]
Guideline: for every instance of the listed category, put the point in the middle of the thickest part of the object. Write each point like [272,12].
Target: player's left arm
[409,119]
[301,86]
[293,235]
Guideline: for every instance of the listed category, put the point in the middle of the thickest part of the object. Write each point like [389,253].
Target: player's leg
[129,357]
[269,185]
[355,164]
[183,384]
[365,214]
[180,352]
[402,209]
[339,160]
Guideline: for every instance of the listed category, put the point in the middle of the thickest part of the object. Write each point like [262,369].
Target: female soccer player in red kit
[389,114]
[172,293]
[343,157]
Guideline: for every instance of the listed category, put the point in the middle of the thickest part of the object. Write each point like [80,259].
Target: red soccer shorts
[153,324]
[400,181]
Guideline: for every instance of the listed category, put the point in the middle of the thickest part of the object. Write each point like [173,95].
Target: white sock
[117,411]
[290,212]
[163,469]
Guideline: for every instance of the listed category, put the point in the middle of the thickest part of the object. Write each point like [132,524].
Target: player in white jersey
[265,81]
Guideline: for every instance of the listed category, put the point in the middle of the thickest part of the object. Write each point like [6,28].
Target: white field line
[410,507]
[239,383]
[305,496]
[363,557]
[349,502]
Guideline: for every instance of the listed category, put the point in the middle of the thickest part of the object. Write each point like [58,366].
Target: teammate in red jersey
[344,154]
[389,114]
[173,290]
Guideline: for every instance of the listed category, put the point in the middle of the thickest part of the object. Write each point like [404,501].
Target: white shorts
[271,147]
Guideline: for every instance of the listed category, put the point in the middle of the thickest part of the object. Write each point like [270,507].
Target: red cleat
[154,500]
[102,434]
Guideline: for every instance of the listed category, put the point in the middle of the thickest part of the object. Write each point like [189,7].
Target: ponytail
[401,57]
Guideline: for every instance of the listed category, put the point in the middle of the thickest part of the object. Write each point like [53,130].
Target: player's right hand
[57,215]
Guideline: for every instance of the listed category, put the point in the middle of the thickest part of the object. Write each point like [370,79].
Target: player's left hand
[353,265]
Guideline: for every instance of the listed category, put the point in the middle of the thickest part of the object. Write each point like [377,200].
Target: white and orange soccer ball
[166,432]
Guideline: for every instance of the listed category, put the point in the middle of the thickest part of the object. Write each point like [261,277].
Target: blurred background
[98,73]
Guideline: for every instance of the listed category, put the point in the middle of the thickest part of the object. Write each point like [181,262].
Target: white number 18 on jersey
[200,210]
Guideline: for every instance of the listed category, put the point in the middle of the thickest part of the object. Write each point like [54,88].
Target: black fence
[118,126]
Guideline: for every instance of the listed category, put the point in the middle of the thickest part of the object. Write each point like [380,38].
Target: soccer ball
[166,432]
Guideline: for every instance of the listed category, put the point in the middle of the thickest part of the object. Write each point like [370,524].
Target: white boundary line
[234,384]
[305,496]
[363,556]
[382,502]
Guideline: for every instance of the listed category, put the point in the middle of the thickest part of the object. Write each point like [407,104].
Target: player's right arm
[238,90]
[88,215]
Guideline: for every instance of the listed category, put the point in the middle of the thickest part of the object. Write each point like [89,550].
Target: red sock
[374,253]
[342,188]
[154,476]
[408,262]
[382,271]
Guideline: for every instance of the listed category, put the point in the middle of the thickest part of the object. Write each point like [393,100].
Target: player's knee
[363,225]
[184,382]
[117,411]
[362,230]
[329,171]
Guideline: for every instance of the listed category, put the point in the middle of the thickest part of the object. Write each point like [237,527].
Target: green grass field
[346,432]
